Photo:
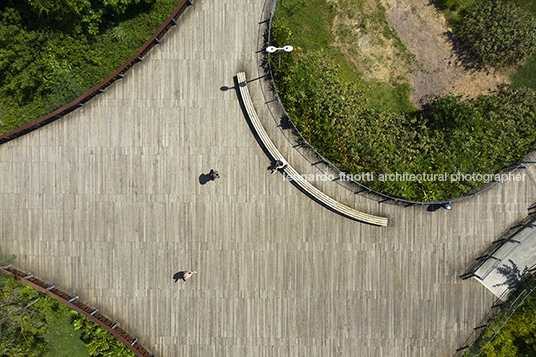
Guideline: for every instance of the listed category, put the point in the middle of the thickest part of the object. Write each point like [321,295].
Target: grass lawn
[309,22]
[383,96]
[63,340]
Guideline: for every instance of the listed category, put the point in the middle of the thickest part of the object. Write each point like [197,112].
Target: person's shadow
[272,168]
[178,276]
[204,178]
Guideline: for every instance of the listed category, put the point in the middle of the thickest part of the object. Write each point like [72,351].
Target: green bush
[452,135]
[49,56]
[100,342]
[498,33]
[517,337]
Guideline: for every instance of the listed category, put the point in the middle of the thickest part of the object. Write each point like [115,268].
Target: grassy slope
[311,21]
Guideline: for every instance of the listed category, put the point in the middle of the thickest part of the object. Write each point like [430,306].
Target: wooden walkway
[290,174]
[110,202]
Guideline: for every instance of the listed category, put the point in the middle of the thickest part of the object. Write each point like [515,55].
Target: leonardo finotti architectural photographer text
[423,177]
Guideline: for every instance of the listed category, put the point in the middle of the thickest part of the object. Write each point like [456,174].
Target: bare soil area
[361,34]
[425,33]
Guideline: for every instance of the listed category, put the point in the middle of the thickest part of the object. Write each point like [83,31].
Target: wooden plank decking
[293,175]
[109,203]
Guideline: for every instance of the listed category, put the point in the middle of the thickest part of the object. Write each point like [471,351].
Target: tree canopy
[52,51]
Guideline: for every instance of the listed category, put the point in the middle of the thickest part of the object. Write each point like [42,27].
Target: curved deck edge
[72,302]
[291,173]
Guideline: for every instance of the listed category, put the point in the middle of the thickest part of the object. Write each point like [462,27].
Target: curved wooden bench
[292,174]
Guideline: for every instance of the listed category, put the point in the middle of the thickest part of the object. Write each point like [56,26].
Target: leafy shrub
[100,342]
[498,33]
[452,135]
[517,338]
[48,58]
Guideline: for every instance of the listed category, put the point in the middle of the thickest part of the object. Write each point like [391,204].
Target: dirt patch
[361,33]
[406,41]
[425,33]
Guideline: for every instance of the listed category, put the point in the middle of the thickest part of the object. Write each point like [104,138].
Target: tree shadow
[178,275]
[285,123]
[265,59]
[462,54]
[514,276]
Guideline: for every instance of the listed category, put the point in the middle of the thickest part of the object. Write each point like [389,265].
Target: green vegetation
[525,75]
[453,135]
[502,30]
[384,96]
[34,324]
[307,19]
[517,338]
[336,115]
[99,341]
[498,33]
[51,52]
[22,327]
[379,58]
[62,340]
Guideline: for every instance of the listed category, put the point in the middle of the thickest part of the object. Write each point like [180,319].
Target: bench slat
[289,170]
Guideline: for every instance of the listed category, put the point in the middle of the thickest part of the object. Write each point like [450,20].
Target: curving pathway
[109,203]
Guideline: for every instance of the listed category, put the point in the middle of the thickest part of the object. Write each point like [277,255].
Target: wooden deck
[290,174]
[108,204]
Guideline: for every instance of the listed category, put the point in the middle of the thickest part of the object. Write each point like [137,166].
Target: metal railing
[99,88]
[73,302]
[361,188]
[501,311]
[500,249]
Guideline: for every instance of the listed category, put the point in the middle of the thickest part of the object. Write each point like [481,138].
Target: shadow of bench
[291,174]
